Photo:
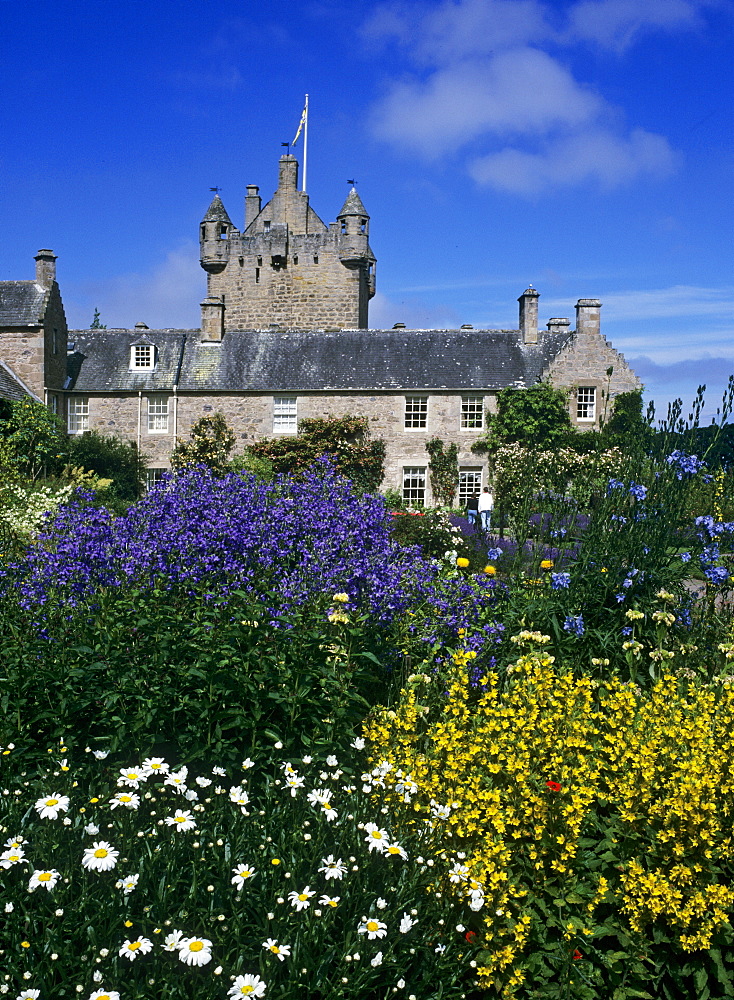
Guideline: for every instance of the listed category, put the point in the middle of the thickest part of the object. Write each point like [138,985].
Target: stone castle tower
[286,268]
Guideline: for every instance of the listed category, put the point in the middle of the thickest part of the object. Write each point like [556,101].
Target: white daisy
[331,761]
[101,754]
[329,811]
[332,901]
[28,994]
[195,951]
[92,829]
[376,960]
[100,857]
[127,884]
[105,995]
[396,850]
[181,820]
[13,856]
[357,743]
[318,796]
[294,782]
[333,869]
[458,873]
[129,800]
[238,796]
[177,779]
[372,927]
[301,900]
[52,805]
[287,767]
[241,874]
[44,878]
[247,763]
[377,839]
[439,811]
[203,782]
[406,923]
[131,949]
[247,986]
[155,765]
[15,842]
[172,941]
[281,950]
[131,776]
[219,771]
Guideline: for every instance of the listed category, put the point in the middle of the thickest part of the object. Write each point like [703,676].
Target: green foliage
[33,440]
[627,428]
[211,441]
[110,458]
[344,439]
[443,467]
[430,530]
[247,462]
[536,416]
[96,324]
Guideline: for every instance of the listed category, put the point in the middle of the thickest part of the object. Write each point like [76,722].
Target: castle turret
[214,236]
[354,229]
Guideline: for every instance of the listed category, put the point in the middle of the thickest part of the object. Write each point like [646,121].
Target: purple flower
[684,464]
[574,624]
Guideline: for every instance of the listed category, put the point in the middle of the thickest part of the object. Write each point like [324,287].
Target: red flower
[577,955]
[554,786]
[470,936]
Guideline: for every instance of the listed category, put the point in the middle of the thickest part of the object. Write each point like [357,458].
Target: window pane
[285,415]
[78,414]
[153,477]
[586,402]
[414,485]
[157,414]
[472,413]
[470,483]
[416,412]
[142,356]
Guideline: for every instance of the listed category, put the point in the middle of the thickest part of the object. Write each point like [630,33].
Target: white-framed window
[470,483]
[157,414]
[414,485]
[586,402]
[472,413]
[285,415]
[78,414]
[416,412]
[53,404]
[153,477]
[142,357]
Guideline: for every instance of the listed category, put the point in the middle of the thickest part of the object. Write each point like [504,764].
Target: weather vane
[352,182]
[215,190]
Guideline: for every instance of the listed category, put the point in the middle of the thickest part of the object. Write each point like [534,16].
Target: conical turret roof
[217,212]
[353,205]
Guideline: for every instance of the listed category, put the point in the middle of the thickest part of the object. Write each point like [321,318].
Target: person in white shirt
[486,503]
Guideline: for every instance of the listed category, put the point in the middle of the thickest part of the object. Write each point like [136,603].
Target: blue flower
[717,574]
[574,624]
[638,491]
[560,581]
[685,557]
[627,630]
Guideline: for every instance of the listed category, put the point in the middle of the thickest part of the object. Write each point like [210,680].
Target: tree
[536,417]
[443,468]
[95,324]
[627,427]
[211,441]
[109,458]
[345,439]
[33,440]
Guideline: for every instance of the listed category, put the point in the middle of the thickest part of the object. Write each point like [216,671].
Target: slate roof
[270,361]
[11,387]
[353,205]
[22,303]
[217,212]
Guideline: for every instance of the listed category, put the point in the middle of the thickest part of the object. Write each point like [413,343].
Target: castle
[284,335]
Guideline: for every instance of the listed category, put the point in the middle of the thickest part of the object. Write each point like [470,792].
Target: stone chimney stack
[288,173]
[588,316]
[559,324]
[212,319]
[529,315]
[45,268]
[253,203]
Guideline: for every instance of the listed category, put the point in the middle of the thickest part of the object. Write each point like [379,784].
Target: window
[55,341]
[472,413]
[142,356]
[157,414]
[53,404]
[470,483]
[586,402]
[285,415]
[266,227]
[414,485]
[78,414]
[153,477]
[222,232]
[363,225]
[416,412]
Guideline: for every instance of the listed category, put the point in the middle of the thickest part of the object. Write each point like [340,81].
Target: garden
[270,733]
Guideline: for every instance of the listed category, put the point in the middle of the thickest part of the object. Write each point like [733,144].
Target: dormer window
[142,357]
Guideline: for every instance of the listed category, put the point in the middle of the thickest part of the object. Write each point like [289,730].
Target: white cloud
[617,24]
[166,297]
[521,92]
[597,155]
[674,302]
[482,74]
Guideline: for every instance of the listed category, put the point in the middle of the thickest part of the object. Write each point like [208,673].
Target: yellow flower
[341,598]
[547,564]
[490,570]
[462,563]
[25,944]
[275,861]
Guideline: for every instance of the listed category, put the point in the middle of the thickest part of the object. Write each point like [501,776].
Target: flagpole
[305,145]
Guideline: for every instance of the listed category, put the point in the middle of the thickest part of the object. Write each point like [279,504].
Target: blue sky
[582,146]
